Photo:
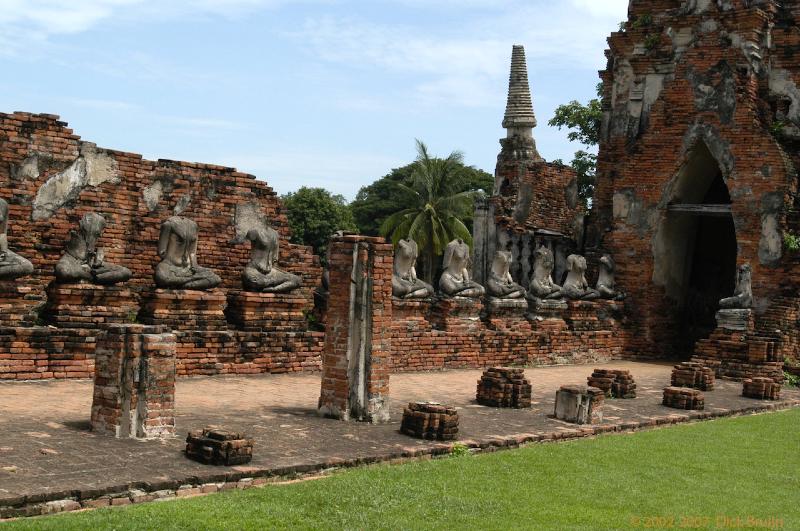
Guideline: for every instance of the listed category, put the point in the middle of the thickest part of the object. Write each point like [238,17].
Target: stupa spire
[519,119]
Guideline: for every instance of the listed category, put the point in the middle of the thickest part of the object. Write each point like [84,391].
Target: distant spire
[519,118]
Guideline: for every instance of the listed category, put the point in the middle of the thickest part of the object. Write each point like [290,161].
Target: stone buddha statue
[177,247]
[262,274]
[405,284]
[12,265]
[542,286]
[576,287]
[84,261]
[606,282]
[743,296]
[455,280]
[500,284]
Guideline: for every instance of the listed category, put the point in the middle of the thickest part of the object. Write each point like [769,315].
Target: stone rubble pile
[214,446]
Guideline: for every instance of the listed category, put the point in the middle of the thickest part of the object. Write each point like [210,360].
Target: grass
[741,467]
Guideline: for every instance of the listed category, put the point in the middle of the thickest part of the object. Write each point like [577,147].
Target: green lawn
[741,467]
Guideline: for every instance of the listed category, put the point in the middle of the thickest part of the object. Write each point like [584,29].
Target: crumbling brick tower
[697,165]
[534,202]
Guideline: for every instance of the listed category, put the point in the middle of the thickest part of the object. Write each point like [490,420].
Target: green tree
[381,199]
[583,121]
[314,215]
[434,207]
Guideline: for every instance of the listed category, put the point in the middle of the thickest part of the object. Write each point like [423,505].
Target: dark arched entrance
[696,248]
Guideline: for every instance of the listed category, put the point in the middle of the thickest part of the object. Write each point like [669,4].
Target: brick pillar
[357,356]
[134,383]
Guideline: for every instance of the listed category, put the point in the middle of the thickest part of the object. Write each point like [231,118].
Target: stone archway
[695,248]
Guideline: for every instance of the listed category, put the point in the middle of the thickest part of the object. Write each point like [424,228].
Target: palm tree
[435,208]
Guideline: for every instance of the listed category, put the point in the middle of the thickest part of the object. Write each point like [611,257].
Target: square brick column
[134,384]
[357,356]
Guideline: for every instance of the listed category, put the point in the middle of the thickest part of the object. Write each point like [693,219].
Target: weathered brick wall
[675,79]
[135,196]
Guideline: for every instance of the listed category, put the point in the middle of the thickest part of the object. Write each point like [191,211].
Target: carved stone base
[735,320]
[459,312]
[272,312]
[87,305]
[185,309]
[17,304]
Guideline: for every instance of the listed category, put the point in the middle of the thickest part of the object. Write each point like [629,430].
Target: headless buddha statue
[12,265]
[500,284]
[576,287]
[405,284]
[743,296]
[606,283]
[84,261]
[262,274]
[455,280]
[177,247]
[542,286]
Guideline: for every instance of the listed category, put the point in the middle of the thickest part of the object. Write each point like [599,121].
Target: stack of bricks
[185,309]
[579,404]
[430,421]
[739,355]
[87,305]
[17,303]
[356,360]
[269,312]
[214,446]
[134,384]
[694,375]
[615,383]
[684,398]
[761,389]
[504,387]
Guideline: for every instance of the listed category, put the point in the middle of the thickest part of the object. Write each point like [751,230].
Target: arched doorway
[695,248]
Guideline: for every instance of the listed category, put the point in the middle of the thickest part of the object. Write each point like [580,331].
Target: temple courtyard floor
[50,461]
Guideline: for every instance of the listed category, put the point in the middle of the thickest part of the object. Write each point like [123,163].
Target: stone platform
[87,305]
[48,454]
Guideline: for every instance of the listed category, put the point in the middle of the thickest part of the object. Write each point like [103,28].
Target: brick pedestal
[185,309]
[504,387]
[410,309]
[271,312]
[738,355]
[456,313]
[213,446]
[87,305]
[684,398]
[761,389]
[579,404]
[506,314]
[615,383]
[134,384]
[17,304]
[357,356]
[430,421]
[693,375]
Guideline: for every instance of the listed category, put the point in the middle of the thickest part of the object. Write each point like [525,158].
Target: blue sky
[327,93]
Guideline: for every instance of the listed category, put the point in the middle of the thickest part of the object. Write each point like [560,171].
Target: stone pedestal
[735,320]
[134,383]
[269,312]
[86,305]
[185,310]
[504,387]
[684,398]
[579,404]
[458,313]
[357,356]
[17,304]
[430,421]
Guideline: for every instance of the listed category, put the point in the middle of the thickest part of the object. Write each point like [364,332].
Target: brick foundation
[430,421]
[761,389]
[89,306]
[17,304]
[504,387]
[134,384]
[272,312]
[684,398]
[185,310]
[694,375]
[614,383]
[42,353]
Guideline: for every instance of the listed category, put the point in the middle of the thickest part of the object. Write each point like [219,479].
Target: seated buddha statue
[12,265]
[177,247]
[405,284]
[84,261]
[455,280]
[500,284]
[262,273]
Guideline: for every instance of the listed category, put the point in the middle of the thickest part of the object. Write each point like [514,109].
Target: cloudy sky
[327,93]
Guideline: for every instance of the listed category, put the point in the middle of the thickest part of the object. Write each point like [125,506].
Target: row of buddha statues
[84,261]
[456,282]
